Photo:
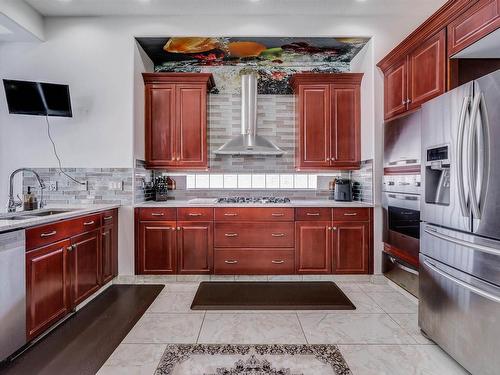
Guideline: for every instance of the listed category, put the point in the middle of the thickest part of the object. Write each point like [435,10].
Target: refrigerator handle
[457,241]
[472,157]
[460,157]
[465,285]
[484,165]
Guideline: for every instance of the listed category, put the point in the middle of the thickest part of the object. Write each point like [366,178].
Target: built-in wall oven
[401,201]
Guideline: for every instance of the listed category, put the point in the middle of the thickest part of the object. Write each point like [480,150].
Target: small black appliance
[343,190]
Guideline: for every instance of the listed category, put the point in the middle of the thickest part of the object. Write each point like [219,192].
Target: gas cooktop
[254,200]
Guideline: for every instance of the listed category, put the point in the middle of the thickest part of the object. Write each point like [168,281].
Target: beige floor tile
[394,302]
[251,329]
[140,359]
[166,328]
[342,328]
[171,302]
[409,322]
[399,360]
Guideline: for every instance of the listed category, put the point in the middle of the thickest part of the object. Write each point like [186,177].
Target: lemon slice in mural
[190,44]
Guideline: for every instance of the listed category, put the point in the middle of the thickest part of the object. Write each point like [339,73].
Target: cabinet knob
[178,228]
[334,228]
[178,158]
[327,159]
[230,261]
[173,228]
[329,228]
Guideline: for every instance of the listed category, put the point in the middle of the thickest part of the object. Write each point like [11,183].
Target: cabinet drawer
[195,213]
[157,214]
[254,214]
[354,214]
[254,261]
[109,217]
[308,214]
[87,223]
[259,234]
[50,233]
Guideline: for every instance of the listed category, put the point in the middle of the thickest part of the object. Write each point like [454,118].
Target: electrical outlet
[115,185]
[52,186]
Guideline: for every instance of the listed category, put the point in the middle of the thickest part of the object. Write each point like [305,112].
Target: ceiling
[230,7]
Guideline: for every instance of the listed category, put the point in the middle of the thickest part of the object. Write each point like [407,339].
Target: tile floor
[381,337]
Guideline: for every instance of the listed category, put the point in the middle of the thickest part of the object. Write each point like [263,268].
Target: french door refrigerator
[459,305]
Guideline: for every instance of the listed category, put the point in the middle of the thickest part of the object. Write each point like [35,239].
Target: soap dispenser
[30,201]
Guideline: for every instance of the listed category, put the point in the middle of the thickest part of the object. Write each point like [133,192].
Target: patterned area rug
[252,360]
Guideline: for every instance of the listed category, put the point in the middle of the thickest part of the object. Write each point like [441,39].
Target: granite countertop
[211,202]
[74,211]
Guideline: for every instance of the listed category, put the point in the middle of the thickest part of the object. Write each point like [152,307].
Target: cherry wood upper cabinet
[157,247]
[478,21]
[176,120]
[313,247]
[47,286]
[328,120]
[195,247]
[427,70]
[351,247]
[395,89]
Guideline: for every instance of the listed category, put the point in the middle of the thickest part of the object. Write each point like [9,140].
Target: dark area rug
[82,344]
[253,360]
[321,295]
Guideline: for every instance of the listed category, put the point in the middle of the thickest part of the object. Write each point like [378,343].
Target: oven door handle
[403,267]
[473,289]
[456,241]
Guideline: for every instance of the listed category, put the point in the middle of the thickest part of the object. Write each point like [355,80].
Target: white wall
[25,23]
[99,59]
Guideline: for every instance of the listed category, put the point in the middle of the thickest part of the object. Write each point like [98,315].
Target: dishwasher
[12,292]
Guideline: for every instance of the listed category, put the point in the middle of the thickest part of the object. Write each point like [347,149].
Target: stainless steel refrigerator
[459,288]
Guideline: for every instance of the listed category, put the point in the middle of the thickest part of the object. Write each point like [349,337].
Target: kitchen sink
[33,214]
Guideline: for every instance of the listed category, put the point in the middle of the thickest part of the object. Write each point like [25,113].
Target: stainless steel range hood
[249,142]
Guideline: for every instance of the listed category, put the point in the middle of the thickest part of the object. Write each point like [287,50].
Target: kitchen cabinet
[157,247]
[313,247]
[351,245]
[195,247]
[328,120]
[475,23]
[416,77]
[85,265]
[252,261]
[65,265]
[47,286]
[176,120]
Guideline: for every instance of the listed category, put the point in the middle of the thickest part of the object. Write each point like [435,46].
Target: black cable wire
[57,156]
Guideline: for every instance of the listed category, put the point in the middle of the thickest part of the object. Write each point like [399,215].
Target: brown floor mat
[321,295]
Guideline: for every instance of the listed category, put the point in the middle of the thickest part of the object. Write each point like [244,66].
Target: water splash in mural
[274,60]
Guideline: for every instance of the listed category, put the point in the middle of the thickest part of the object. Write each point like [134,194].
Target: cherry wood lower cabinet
[47,286]
[351,247]
[195,247]
[313,247]
[61,273]
[252,261]
[157,247]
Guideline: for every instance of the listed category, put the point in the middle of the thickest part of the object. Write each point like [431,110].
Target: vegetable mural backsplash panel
[273,59]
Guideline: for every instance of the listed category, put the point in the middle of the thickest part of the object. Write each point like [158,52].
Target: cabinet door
[195,247]
[427,67]
[47,286]
[157,247]
[191,124]
[477,22]
[395,89]
[85,265]
[345,131]
[351,244]
[108,253]
[314,126]
[160,125]
[313,247]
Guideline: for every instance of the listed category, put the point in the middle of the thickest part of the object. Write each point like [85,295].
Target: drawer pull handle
[48,234]
[277,214]
[351,214]
[230,261]
[89,222]
[108,217]
[277,261]
[278,234]
[230,214]
[194,214]
[231,234]
[312,214]
[157,214]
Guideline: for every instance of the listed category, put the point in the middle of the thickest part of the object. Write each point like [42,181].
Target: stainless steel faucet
[12,203]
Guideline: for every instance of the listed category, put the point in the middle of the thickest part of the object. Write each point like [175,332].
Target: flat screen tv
[37,98]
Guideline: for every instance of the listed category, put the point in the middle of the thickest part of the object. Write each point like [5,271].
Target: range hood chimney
[249,142]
